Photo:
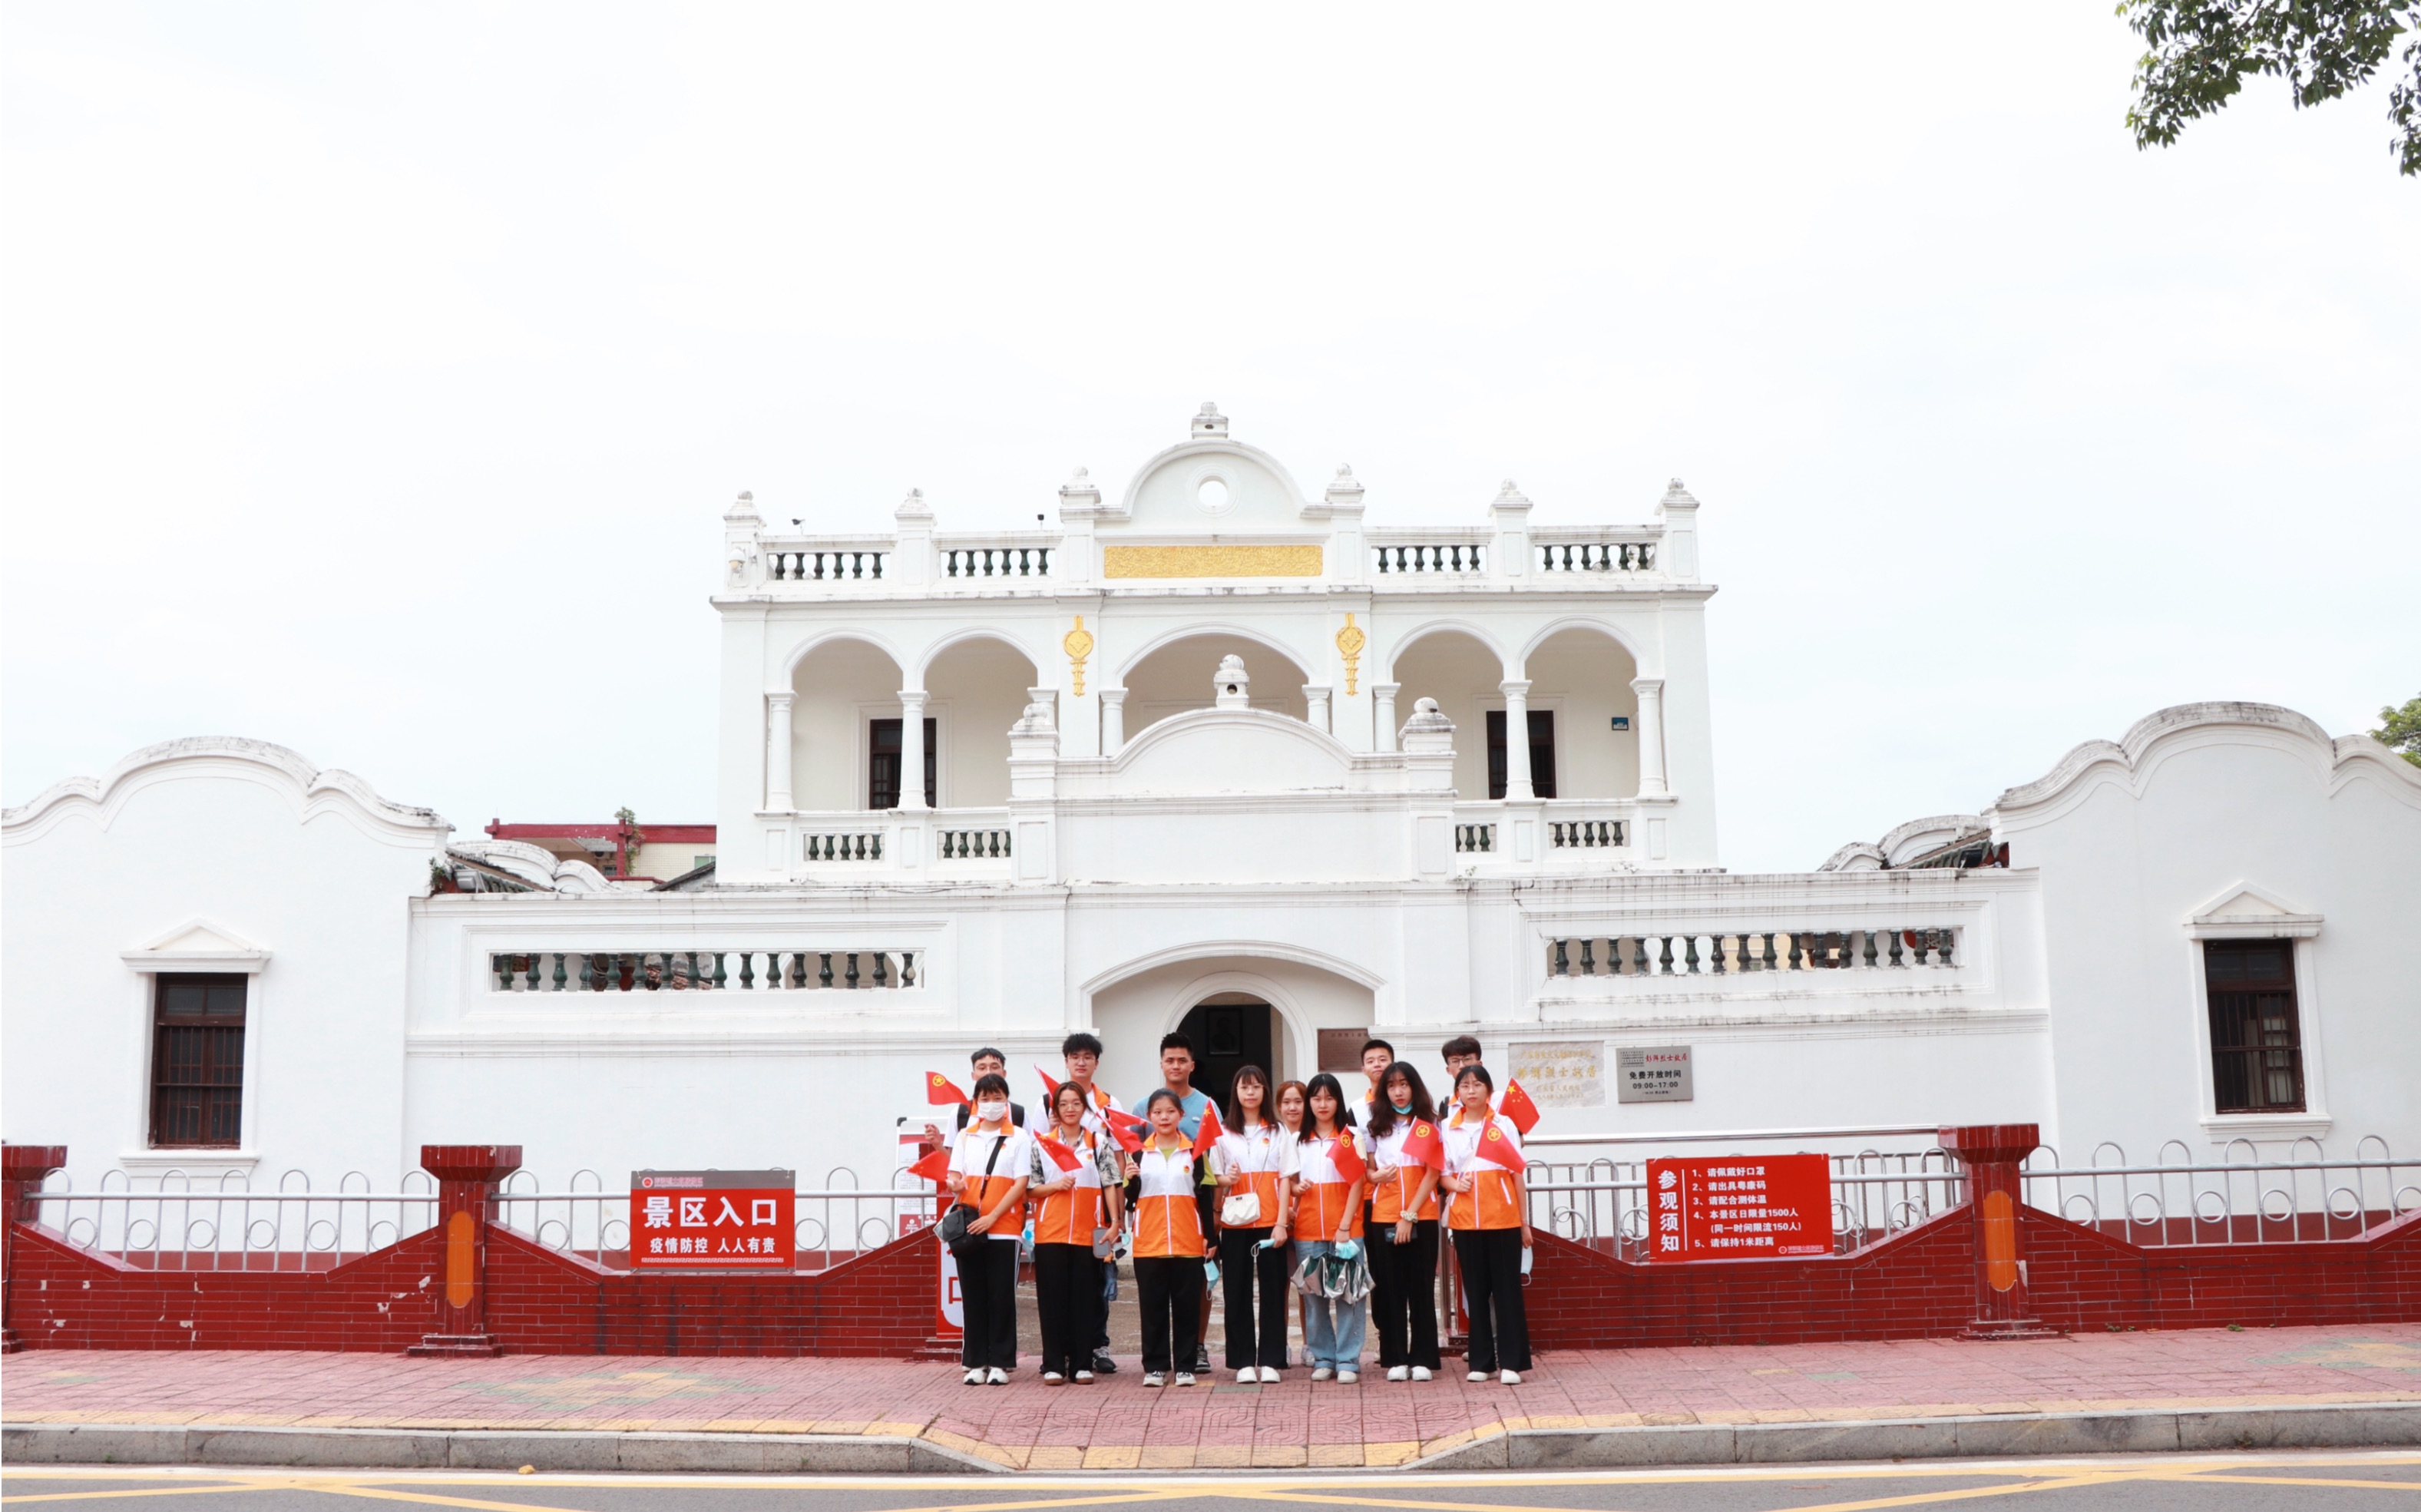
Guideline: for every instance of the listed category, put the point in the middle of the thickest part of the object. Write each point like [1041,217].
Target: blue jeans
[1332,1327]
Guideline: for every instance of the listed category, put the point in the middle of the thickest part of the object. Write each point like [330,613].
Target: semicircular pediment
[1230,750]
[1213,488]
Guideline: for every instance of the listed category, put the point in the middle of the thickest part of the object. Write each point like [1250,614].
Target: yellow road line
[89,1496]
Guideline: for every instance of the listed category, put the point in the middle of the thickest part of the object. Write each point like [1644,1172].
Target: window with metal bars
[1542,752]
[2257,1049]
[197,1061]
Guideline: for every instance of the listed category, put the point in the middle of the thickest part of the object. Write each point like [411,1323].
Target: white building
[1212,753]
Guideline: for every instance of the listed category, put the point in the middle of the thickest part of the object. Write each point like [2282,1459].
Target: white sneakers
[1510,1377]
[1347,1378]
[1000,1377]
[1399,1373]
[1269,1375]
[1185,1378]
[1248,1375]
[1477,1375]
[1053,1377]
[1323,1372]
[1421,1373]
[974,1377]
[1083,1378]
[1153,1378]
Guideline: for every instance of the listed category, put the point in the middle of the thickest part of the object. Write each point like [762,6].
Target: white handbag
[1242,1210]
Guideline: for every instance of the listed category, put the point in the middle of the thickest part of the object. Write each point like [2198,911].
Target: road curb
[204,1444]
[2351,1426]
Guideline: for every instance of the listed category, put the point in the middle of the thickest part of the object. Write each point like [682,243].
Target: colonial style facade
[1212,753]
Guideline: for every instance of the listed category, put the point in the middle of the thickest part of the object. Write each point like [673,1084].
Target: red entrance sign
[713,1220]
[1737,1206]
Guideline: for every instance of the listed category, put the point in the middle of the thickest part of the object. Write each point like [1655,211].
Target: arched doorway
[1230,1031]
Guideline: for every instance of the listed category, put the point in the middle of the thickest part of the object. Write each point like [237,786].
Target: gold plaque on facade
[1350,642]
[1211,562]
[1078,644]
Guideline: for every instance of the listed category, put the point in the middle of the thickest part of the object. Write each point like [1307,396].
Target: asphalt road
[2187,1482]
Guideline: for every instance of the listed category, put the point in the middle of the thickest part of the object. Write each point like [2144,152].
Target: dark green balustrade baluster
[881,959]
[907,968]
[1667,962]
[825,977]
[1562,967]
[559,974]
[852,969]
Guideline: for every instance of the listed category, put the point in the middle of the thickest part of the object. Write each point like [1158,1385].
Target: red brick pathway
[1117,1424]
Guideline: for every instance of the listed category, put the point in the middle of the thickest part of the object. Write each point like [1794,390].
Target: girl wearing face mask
[1066,1213]
[989,1167]
[1169,1246]
[1404,1230]
[1329,1268]
[1252,1160]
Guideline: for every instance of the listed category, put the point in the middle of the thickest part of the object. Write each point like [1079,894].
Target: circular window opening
[1213,494]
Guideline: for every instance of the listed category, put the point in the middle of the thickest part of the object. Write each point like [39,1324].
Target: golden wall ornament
[1078,644]
[1350,642]
[1211,562]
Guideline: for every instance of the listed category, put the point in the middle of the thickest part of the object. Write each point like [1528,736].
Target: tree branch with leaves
[2202,52]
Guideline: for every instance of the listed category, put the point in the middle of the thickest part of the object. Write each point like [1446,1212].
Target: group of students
[1287,1189]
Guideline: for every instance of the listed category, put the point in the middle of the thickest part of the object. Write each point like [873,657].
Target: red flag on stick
[1517,1107]
[1208,1134]
[1125,1128]
[941,1091]
[1497,1150]
[1049,1087]
[932,1167]
[1348,1160]
[1422,1147]
[1061,1156]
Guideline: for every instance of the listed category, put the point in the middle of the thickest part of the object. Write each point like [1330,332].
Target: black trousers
[1403,1295]
[988,1296]
[1067,1294]
[1491,1260]
[1256,1335]
[1170,1287]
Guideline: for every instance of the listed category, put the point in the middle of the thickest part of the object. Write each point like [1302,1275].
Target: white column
[1315,699]
[777,751]
[1382,694]
[1517,741]
[1113,719]
[1651,735]
[912,747]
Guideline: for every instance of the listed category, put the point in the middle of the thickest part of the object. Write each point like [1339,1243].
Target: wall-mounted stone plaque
[1562,1073]
[1652,1073]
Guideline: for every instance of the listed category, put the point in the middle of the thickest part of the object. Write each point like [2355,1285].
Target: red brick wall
[1922,1283]
[539,1301]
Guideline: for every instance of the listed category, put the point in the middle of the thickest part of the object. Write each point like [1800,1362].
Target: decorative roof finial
[1210,423]
[1232,687]
[914,507]
[1345,489]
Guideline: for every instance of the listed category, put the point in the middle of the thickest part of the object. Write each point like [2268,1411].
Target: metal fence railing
[222,1224]
[2239,1199]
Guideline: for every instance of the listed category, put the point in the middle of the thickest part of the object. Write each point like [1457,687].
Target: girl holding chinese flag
[1406,1159]
[1169,1246]
[1068,1213]
[1329,1178]
[989,1166]
[1487,1214]
[1252,1160]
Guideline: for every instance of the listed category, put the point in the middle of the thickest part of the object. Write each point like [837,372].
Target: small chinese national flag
[940,1091]
[1208,1134]
[1125,1128]
[1061,1156]
[1517,1107]
[1049,1087]
[1422,1147]
[932,1167]
[1497,1150]
[1348,1160]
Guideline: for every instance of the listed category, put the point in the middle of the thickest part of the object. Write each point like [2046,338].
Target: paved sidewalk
[1118,1425]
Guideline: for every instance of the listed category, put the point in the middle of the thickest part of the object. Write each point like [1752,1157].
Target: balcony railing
[703,971]
[1022,555]
[1603,548]
[1431,553]
[1921,949]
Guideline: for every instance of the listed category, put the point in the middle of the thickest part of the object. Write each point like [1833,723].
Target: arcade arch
[1581,676]
[975,689]
[837,689]
[1288,1001]
[1463,673]
[1177,677]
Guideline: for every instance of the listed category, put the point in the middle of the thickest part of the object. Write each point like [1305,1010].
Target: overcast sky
[375,375]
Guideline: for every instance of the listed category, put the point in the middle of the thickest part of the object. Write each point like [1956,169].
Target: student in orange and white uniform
[1328,1221]
[1168,1247]
[1252,1160]
[989,1166]
[1487,1211]
[1067,1215]
[1403,1226]
[1081,1053]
